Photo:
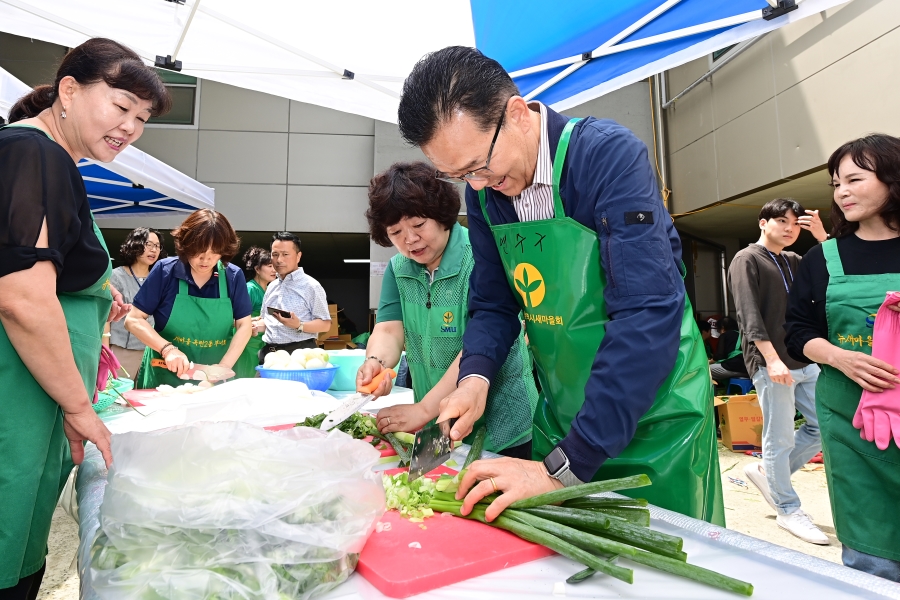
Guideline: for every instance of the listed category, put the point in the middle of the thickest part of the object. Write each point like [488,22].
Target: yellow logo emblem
[448,317]
[530,284]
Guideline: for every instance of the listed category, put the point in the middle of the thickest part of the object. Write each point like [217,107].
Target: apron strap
[832,258]
[223,285]
[558,160]
[482,199]
[182,287]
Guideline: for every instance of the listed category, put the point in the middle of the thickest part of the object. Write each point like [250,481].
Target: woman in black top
[729,362]
[55,294]
[830,320]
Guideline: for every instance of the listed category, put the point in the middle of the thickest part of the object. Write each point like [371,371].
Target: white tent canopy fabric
[135,184]
[354,56]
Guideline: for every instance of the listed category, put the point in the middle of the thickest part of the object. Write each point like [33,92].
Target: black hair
[727,324]
[704,326]
[457,78]
[287,236]
[779,207]
[409,190]
[880,154]
[254,258]
[96,60]
[133,246]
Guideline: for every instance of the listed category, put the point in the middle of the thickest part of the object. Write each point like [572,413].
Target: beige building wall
[779,109]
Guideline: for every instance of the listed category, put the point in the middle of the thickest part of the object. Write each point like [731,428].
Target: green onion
[637,516]
[477,446]
[543,538]
[592,502]
[693,572]
[585,489]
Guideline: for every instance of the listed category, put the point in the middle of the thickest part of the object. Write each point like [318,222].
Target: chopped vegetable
[357,425]
[590,530]
[415,545]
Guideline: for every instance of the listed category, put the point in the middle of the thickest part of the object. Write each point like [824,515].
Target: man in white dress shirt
[294,292]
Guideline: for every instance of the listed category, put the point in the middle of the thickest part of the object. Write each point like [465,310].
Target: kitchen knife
[210,373]
[355,402]
[431,448]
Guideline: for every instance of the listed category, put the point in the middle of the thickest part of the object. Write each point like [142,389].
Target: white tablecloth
[775,572]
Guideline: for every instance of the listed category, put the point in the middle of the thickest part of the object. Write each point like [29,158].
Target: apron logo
[105,285]
[530,284]
[870,321]
[448,317]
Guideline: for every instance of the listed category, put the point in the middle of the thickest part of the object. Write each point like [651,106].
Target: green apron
[560,289]
[863,481]
[435,315]
[246,365]
[37,460]
[200,327]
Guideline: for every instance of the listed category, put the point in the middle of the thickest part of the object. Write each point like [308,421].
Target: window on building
[183,90]
[720,53]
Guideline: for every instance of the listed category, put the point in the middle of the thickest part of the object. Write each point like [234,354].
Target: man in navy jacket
[450,108]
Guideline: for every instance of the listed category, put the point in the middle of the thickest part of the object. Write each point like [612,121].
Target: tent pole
[649,41]
[184,30]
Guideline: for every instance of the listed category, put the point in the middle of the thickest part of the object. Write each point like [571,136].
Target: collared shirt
[300,294]
[157,296]
[536,201]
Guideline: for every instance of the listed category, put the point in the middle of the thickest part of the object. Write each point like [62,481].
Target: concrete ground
[745,511]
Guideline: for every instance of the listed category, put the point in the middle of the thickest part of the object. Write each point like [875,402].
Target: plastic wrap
[228,510]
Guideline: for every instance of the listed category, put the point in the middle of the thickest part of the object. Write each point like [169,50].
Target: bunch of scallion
[574,523]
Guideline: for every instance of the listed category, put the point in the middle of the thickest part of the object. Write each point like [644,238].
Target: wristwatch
[300,329]
[557,465]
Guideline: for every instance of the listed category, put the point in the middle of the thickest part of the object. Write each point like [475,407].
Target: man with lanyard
[760,278]
[293,292]
[568,230]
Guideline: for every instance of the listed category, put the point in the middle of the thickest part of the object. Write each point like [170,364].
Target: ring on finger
[493,483]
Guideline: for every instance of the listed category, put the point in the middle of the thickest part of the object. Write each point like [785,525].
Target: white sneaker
[799,524]
[757,477]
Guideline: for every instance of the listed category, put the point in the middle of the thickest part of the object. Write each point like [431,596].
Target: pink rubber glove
[878,414]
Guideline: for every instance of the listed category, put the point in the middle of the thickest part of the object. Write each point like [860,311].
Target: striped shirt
[300,294]
[536,201]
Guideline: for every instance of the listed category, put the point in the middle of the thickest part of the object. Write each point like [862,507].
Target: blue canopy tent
[355,58]
[135,184]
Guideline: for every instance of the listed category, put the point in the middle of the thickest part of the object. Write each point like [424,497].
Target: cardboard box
[333,332]
[741,422]
[340,342]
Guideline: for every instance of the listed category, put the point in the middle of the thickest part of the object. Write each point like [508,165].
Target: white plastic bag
[229,510]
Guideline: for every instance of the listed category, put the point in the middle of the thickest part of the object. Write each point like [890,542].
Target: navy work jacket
[607,173]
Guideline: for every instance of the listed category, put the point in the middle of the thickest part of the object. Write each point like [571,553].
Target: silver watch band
[567,478]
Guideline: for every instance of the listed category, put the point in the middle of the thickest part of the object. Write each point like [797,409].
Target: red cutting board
[453,549]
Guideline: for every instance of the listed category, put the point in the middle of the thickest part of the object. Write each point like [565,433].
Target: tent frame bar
[710,73]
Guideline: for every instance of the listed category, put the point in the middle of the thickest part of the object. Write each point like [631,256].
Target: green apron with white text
[36,457]
[434,321]
[554,267]
[200,327]
[863,481]
[245,367]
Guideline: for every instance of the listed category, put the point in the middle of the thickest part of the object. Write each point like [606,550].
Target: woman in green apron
[198,301]
[258,267]
[831,316]
[567,225]
[55,294]
[423,307]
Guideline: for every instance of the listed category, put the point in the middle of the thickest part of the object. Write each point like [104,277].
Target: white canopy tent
[135,184]
[353,56]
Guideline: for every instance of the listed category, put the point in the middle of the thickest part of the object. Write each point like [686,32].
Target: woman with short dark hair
[140,251]
[198,301]
[831,312]
[259,272]
[55,290]
[424,307]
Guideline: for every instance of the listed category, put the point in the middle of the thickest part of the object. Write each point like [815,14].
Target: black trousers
[26,589]
[269,348]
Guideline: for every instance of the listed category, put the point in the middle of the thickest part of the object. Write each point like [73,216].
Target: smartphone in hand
[277,311]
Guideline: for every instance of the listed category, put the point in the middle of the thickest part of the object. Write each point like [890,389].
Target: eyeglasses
[151,246]
[481,173]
